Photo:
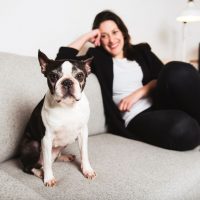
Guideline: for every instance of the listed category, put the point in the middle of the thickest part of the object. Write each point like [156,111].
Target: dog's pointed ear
[43,60]
[87,63]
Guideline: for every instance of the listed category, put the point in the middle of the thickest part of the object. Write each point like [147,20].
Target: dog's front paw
[89,173]
[50,183]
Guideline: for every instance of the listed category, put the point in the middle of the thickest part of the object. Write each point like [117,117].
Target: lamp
[191,13]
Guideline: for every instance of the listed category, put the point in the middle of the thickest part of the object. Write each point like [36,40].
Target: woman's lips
[113,46]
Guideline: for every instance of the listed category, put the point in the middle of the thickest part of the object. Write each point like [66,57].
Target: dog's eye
[80,77]
[53,77]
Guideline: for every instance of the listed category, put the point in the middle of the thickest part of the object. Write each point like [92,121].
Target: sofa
[126,169]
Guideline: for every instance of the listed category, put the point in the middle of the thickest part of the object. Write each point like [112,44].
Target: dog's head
[66,78]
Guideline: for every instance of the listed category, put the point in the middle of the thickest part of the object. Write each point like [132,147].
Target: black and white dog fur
[58,120]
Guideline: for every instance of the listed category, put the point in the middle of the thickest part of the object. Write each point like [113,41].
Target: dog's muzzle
[68,84]
[68,90]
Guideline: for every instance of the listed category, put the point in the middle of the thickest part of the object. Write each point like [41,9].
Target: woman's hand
[92,36]
[129,101]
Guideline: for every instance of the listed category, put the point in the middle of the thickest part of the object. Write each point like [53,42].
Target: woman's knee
[175,74]
[178,69]
[184,133]
[178,63]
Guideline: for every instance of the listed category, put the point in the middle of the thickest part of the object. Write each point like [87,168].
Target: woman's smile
[112,38]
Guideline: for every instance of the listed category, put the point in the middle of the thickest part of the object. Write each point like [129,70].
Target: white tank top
[128,78]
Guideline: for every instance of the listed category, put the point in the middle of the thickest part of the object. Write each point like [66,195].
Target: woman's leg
[175,122]
[178,87]
[170,129]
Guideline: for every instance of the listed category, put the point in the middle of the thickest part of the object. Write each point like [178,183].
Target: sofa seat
[126,169]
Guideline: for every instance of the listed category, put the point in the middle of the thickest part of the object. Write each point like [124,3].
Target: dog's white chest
[64,136]
[65,123]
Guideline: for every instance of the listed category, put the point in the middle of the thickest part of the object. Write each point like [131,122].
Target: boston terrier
[58,120]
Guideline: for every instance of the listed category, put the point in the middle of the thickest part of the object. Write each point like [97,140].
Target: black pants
[173,122]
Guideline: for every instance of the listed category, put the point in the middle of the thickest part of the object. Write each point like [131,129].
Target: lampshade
[191,13]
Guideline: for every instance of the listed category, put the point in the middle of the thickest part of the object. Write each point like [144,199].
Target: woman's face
[112,38]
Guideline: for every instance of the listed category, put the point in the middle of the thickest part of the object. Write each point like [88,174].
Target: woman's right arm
[72,49]
[92,36]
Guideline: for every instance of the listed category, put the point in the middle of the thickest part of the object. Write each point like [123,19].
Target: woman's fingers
[124,106]
[95,37]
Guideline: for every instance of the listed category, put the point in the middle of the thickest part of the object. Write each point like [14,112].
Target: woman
[143,99]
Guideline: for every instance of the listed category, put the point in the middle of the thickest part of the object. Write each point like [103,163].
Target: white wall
[29,25]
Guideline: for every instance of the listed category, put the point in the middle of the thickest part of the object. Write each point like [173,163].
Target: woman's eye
[80,77]
[103,36]
[53,77]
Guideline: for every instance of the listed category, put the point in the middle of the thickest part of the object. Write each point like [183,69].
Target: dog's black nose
[67,83]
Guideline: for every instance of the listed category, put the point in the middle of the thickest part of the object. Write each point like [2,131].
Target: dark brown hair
[109,15]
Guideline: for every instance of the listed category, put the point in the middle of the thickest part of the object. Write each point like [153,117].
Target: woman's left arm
[129,101]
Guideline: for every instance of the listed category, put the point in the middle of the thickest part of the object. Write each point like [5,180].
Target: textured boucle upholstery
[126,169]
[22,86]
[12,189]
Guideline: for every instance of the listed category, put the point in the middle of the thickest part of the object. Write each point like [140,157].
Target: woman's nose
[111,39]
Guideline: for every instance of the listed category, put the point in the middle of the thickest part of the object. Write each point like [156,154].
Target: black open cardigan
[102,67]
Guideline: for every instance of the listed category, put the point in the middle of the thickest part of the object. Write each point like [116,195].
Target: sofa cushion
[97,119]
[11,188]
[126,169]
[22,87]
